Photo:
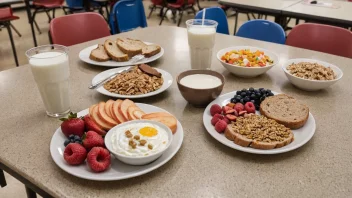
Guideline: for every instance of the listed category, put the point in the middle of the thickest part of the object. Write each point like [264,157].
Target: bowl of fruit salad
[247,61]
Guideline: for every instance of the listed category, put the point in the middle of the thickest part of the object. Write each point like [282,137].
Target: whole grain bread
[114,52]
[285,110]
[99,54]
[131,47]
[151,50]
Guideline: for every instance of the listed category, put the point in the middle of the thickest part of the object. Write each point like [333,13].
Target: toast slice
[114,52]
[99,54]
[130,46]
[163,117]
[123,108]
[151,50]
[285,110]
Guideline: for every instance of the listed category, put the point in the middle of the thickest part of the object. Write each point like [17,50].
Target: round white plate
[118,170]
[84,56]
[166,76]
[301,136]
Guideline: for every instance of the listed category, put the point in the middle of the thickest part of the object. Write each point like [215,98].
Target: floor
[14,188]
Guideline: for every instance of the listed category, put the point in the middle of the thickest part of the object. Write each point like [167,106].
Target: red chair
[6,17]
[157,4]
[323,38]
[181,6]
[78,28]
[45,6]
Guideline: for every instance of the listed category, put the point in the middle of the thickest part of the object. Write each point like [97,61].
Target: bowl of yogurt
[200,87]
[138,142]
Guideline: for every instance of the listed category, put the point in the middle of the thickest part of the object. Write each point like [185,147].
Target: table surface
[272,5]
[203,167]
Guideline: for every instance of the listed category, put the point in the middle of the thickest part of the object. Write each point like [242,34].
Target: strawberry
[75,154]
[214,109]
[239,107]
[92,139]
[98,159]
[92,126]
[249,107]
[72,125]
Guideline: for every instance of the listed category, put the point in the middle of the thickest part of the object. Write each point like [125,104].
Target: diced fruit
[92,139]
[230,111]
[98,159]
[249,107]
[92,126]
[241,113]
[231,104]
[231,117]
[75,154]
[214,109]
[104,116]
[220,126]
[72,125]
[225,108]
[239,107]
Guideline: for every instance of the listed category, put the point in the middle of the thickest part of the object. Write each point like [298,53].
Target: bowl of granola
[311,75]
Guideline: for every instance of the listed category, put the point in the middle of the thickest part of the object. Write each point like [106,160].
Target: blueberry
[77,138]
[248,93]
[263,91]
[243,94]
[246,99]
[257,107]
[238,92]
[242,101]
[66,142]
[256,91]
[71,136]
[251,89]
[233,100]
[270,94]
[253,96]
[79,142]
[268,90]
[260,89]
[253,101]
[244,90]
[258,95]
[72,140]
[262,98]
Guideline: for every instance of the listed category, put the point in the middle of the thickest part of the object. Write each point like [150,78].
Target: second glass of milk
[50,68]
[201,39]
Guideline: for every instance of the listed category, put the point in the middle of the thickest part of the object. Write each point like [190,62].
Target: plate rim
[142,172]
[252,150]
[153,93]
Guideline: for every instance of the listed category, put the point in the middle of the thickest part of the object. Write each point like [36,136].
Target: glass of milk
[50,68]
[201,39]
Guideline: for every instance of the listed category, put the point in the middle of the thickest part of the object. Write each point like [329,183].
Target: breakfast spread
[311,71]
[139,139]
[122,50]
[141,79]
[247,58]
[200,81]
[256,96]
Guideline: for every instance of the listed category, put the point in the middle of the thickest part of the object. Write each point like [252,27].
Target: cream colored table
[203,167]
[339,16]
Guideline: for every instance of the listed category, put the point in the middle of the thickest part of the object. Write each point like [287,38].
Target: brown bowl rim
[221,85]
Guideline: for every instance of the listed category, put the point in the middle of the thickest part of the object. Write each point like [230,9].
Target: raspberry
[249,107]
[214,109]
[220,126]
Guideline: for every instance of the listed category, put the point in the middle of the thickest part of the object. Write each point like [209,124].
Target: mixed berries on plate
[256,96]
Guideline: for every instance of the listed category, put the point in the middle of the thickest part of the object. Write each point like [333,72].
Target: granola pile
[311,71]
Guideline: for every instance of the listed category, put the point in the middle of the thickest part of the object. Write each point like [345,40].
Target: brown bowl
[200,97]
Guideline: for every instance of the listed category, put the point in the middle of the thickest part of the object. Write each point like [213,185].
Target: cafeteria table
[203,167]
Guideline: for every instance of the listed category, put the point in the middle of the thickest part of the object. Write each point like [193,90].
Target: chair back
[263,30]
[48,3]
[217,14]
[158,2]
[322,38]
[78,28]
[5,12]
[127,15]
[74,3]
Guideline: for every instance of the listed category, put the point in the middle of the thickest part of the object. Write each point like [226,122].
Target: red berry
[92,126]
[214,109]
[220,126]
[239,107]
[98,159]
[214,120]
[72,125]
[218,116]
[226,120]
[75,154]
[92,139]
[249,107]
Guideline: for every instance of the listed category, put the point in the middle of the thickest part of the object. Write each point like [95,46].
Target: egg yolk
[148,131]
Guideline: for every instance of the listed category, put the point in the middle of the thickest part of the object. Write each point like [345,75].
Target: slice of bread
[130,46]
[114,52]
[163,117]
[151,50]
[99,54]
[285,110]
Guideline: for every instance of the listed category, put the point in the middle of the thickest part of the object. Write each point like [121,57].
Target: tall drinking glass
[201,39]
[50,68]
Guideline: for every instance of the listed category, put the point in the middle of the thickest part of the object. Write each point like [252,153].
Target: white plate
[84,56]
[166,76]
[301,136]
[118,170]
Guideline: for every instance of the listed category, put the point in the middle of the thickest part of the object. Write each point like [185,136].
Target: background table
[203,167]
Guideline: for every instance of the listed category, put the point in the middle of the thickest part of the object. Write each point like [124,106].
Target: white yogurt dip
[200,81]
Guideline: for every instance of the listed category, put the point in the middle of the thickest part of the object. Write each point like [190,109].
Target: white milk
[51,72]
[200,81]
[201,41]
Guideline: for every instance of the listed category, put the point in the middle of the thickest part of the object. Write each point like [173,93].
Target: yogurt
[200,81]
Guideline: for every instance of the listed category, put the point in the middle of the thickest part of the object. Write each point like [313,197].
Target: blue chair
[127,15]
[263,30]
[217,14]
[74,6]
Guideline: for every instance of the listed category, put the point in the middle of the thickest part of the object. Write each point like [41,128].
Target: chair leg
[12,43]
[179,21]
[107,10]
[54,13]
[30,193]
[236,22]
[194,10]
[17,32]
[151,11]
[163,17]
[2,179]
[47,13]
[297,21]
[248,17]
[35,22]
[36,26]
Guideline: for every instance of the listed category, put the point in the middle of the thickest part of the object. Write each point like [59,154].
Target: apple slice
[107,107]
[130,111]
[138,114]
[91,109]
[102,114]
[124,107]
[101,123]
[115,111]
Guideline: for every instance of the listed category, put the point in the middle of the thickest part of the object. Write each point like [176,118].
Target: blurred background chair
[6,16]
[217,14]
[263,30]
[179,6]
[322,38]
[78,28]
[157,4]
[127,15]
[77,6]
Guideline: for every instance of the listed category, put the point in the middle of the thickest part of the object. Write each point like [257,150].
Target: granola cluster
[136,139]
[311,71]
